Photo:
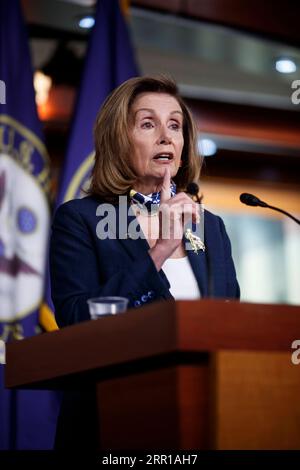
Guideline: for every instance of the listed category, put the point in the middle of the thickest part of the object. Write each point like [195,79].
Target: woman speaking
[135,234]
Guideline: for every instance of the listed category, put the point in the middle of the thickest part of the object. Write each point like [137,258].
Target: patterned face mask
[147,202]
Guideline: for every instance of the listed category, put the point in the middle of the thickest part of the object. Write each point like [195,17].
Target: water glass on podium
[103,306]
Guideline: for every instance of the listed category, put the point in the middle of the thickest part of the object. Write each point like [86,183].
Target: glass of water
[102,306]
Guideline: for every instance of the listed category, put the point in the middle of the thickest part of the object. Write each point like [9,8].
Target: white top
[181,278]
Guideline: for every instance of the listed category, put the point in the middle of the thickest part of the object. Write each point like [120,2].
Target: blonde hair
[113,174]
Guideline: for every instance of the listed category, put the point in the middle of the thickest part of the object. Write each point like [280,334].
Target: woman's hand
[174,213]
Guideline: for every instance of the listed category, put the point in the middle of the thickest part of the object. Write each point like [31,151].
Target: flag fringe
[47,319]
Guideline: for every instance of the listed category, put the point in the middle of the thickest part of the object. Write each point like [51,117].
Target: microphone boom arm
[251,200]
[285,213]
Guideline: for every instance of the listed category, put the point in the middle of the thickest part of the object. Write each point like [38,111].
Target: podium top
[158,332]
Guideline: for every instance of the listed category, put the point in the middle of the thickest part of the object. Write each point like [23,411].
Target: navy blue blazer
[83,266]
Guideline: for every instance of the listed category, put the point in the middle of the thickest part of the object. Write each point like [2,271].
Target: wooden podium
[177,375]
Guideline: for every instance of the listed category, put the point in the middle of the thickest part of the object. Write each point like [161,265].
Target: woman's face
[157,138]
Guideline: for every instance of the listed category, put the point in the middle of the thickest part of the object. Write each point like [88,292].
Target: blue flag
[109,62]
[27,418]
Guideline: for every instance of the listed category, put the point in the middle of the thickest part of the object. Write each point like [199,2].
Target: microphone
[193,190]
[251,200]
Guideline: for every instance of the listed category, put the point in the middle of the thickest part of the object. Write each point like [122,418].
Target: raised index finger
[165,192]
